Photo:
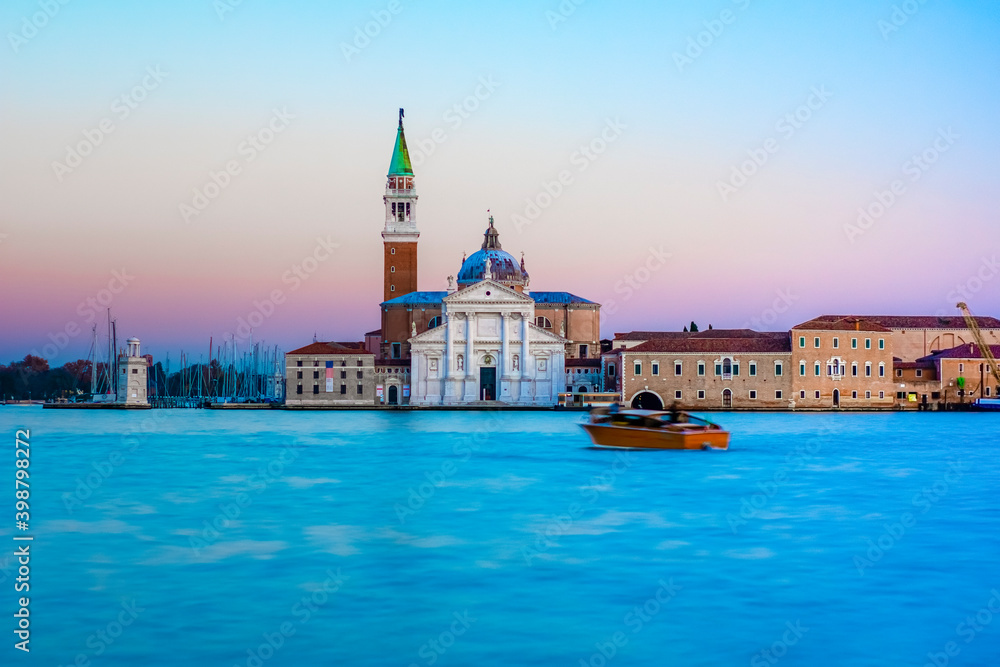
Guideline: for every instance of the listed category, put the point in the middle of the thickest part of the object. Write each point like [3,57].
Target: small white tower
[132,370]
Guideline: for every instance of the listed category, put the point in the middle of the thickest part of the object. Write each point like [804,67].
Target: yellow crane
[984,347]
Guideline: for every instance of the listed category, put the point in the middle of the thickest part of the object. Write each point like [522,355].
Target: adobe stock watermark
[247,151]
[225,7]
[582,158]
[779,649]
[900,16]
[632,282]
[121,108]
[432,650]
[263,309]
[894,532]
[786,127]
[562,13]
[697,45]
[100,641]
[454,117]
[559,525]
[750,507]
[967,631]
[30,26]
[88,309]
[914,169]
[988,269]
[103,468]
[257,483]
[783,301]
[419,494]
[635,619]
[363,35]
[301,613]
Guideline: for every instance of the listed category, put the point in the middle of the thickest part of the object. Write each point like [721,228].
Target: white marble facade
[487,348]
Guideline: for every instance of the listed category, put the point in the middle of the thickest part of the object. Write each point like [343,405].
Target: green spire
[400,164]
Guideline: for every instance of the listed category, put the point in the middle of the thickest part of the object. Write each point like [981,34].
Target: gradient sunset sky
[694,90]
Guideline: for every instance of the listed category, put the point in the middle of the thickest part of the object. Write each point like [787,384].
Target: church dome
[503,267]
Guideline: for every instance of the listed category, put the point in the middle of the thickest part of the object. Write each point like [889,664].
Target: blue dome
[503,267]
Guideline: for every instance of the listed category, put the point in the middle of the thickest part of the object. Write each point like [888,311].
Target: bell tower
[400,233]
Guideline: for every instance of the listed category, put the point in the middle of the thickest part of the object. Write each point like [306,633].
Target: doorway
[647,400]
[836,398]
[487,384]
[727,398]
[393,395]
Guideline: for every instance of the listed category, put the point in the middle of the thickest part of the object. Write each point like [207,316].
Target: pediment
[488,291]
[435,335]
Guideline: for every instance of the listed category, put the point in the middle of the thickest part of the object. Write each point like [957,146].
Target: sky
[733,162]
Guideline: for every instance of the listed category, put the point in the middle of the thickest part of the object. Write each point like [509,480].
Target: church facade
[489,337]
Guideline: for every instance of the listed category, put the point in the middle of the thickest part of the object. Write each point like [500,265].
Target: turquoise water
[422,538]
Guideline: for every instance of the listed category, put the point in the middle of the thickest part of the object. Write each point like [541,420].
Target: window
[298,389]
[360,363]
[343,388]
[777,369]
[343,375]
[868,369]
[677,394]
[777,394]
[678,368]
[392,269]
[802,341]
[854,369]
[881,394]
[816,342]
[961,368]
[816,370]
[753,368]
[701,368]
[638,368]
[361,388]
[718,369]
[298,375]
[836,342]
[397,350]
[611,370]
[655,368]
[868,394]
[802,369]
[802,394]
[854,343]
[583,351]
[315,375]
[361,375]
[854,394]
[298,363]
[817,395]
[135,371]
[900,394]
[736,368]
[753,394]
[881,343]
[920,373]
[701,393]
[868,343]
[315,388]
[434,323]
[899,372]
[543,322]
[727,368]
[392,288]
[392,251]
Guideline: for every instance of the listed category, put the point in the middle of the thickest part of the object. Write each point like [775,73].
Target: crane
[984,347]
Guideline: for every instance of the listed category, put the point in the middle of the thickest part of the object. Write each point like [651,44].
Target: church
[488,338]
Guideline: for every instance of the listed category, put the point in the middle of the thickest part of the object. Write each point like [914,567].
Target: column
[448,362]
[471,384]
[526,369]
[503,363]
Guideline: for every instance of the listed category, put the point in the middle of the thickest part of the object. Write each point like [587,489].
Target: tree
[694,327]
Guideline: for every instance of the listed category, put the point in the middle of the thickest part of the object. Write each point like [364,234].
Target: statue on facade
[562,328]
[516,362]
[489,268]
[413,329]
[461,363]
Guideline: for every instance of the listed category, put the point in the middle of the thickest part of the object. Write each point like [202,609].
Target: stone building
[324,375]
[842,363]
[133,369]
[715,369]
[916,336]
[957,375]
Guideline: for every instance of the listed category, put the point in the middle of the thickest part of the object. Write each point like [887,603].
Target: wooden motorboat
[653,429]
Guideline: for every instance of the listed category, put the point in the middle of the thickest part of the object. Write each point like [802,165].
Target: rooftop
[966,351]
[435,298]
[920,321]
[843,323]
[332,348]
[738,341]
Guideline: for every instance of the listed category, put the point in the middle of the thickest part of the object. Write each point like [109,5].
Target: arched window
[543,322]
[434,323]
